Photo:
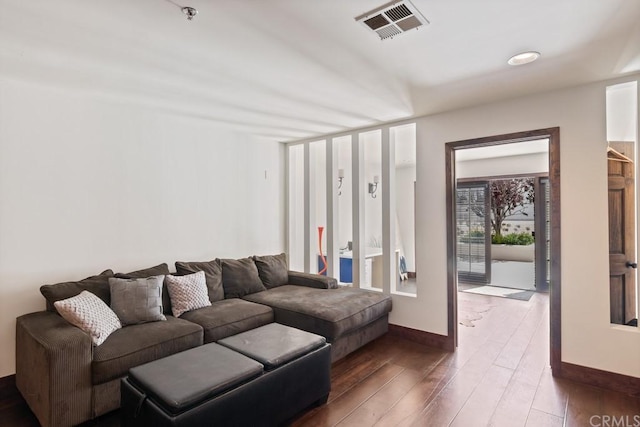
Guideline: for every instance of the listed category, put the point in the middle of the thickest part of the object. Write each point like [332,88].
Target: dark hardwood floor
[499,376]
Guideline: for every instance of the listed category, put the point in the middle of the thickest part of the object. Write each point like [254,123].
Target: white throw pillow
[187,292]
[89,313]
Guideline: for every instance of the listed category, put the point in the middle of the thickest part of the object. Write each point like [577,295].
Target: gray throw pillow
[137,300]
[272,270]
[148,272]
[240,277]
[97,285]
[212,272]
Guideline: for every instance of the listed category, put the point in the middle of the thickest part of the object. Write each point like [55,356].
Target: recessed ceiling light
[523,58]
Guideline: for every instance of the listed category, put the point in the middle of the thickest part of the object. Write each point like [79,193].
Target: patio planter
[513,252]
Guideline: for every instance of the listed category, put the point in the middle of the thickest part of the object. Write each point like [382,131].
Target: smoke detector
[392,19]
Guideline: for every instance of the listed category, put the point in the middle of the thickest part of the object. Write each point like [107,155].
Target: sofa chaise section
[348,318]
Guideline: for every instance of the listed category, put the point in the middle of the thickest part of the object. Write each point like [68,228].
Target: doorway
[502,222]
[553,227]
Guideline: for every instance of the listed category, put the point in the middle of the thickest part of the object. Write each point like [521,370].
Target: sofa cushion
[272,270]
[160,269]
[97,285]
[331,313]
[89,313]
[137,344]
[213,274]
[137,300]
[229,317]
[187,292]
[240,277]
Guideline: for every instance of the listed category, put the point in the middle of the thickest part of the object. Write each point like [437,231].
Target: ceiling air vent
[392,19]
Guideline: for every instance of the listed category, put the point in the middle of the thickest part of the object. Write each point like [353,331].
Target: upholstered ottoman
[282,371]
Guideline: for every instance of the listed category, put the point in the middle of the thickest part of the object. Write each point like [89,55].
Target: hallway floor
[499,376]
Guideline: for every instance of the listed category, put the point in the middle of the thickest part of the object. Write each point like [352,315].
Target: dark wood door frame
[554,181]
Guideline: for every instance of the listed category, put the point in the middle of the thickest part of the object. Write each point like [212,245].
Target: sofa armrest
[53,368]
[312,280]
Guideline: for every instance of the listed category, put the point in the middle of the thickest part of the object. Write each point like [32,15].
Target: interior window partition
[350,236]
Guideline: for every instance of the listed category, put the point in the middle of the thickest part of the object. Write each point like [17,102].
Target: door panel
[473,224]
[622,251]
[543,233]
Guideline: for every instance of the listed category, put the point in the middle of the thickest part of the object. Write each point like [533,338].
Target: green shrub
[522,239]
[476,233]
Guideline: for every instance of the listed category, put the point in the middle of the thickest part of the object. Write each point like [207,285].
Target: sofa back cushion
[212,272]
[272,270]
[160,269]
[97,285]
[137,300]
[240,277]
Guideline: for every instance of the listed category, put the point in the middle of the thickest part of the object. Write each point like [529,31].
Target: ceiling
[289,69]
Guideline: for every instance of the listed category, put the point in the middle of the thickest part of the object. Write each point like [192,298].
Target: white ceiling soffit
[505,150]
[392,19]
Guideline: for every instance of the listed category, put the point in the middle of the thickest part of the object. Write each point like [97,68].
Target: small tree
[508,197]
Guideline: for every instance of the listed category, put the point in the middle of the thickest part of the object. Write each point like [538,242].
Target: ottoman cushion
[331,313]
[188,378]
[274,345]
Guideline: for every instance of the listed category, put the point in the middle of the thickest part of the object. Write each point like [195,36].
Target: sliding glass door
[473,228]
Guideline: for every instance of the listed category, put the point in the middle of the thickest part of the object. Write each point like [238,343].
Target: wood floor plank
[513,408]
[408,408]
[371,411]
[334,412]
[583,403]
[551,395]
[542,419]
[341,383]
[517,345]
[481,405]
[621,405]
[444,408]
[535,359]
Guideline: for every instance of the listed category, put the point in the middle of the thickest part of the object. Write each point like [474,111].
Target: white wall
[622,110]
[511,165]
[88,184]
[588,338]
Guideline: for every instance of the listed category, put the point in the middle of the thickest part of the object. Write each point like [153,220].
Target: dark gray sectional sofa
[66,380]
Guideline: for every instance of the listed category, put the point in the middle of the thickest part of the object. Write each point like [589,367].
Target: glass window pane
[318,206]
[296,207]
[373,270]
[405,167]
[342,148]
